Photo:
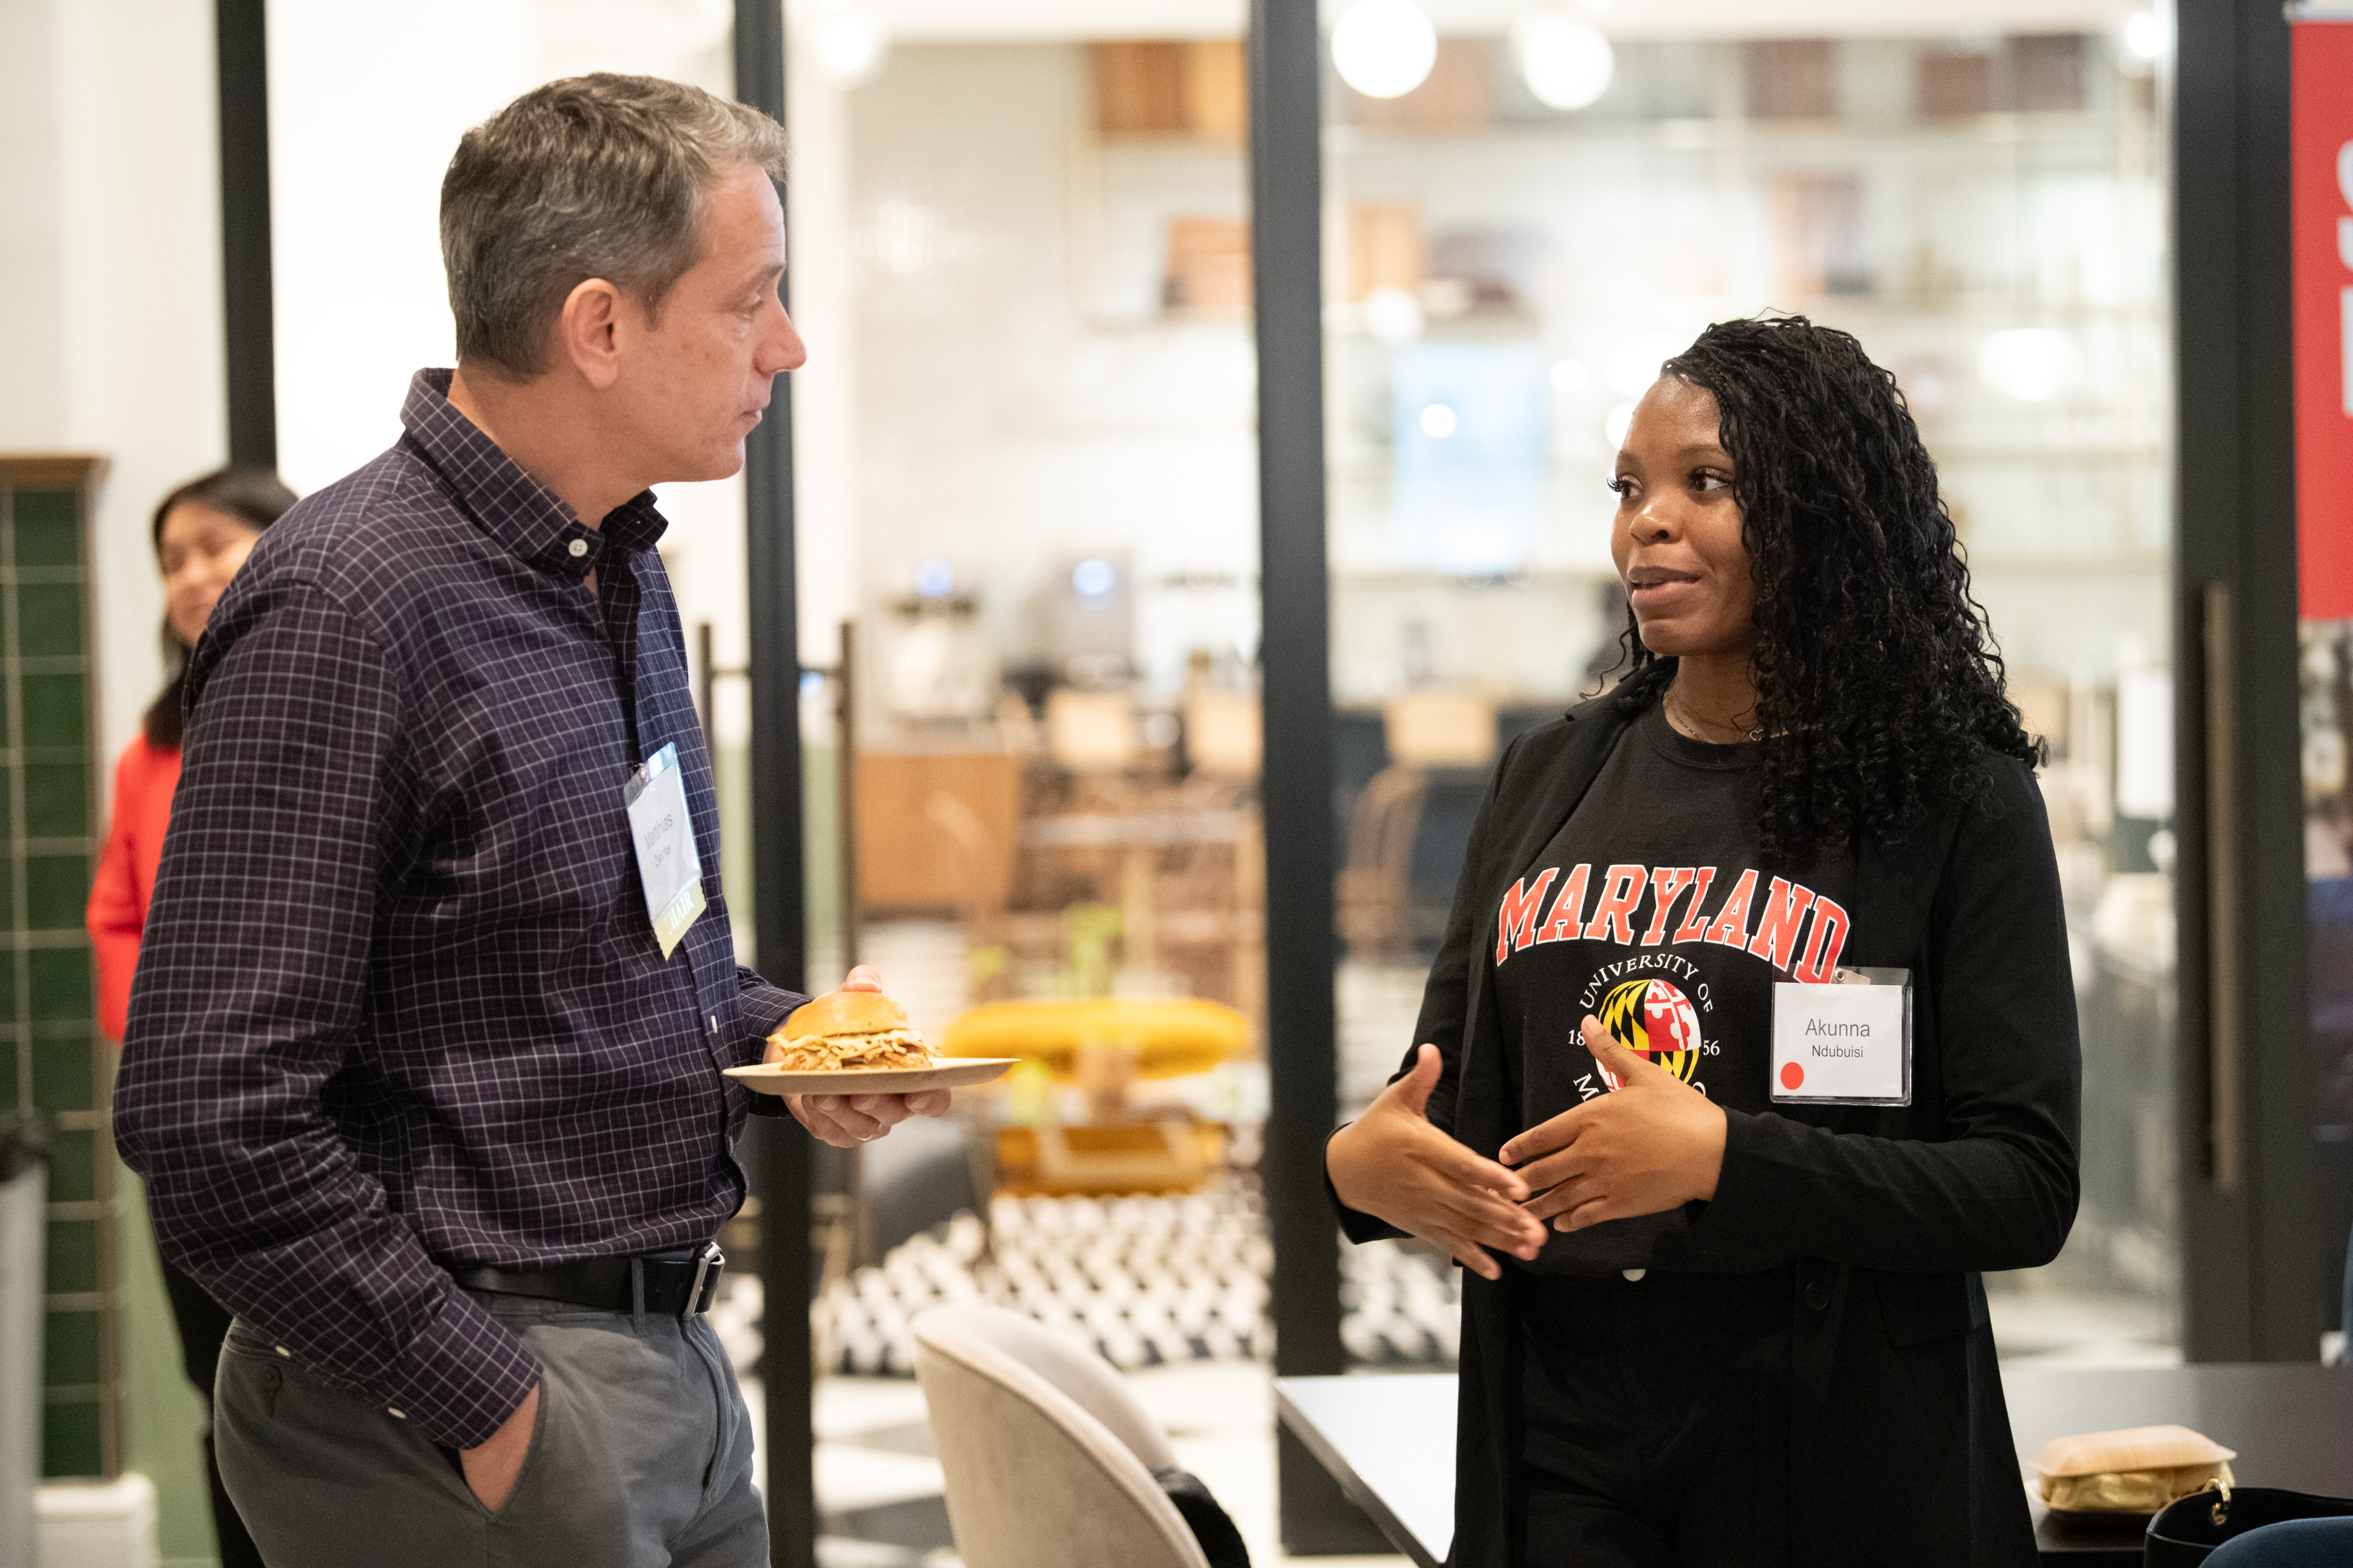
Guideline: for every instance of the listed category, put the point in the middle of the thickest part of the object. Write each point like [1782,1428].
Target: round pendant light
[1384,49]
[1567,63]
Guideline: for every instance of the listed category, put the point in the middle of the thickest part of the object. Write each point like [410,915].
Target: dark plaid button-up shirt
[399,1008]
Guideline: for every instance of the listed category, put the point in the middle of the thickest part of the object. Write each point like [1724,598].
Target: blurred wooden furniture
[1376,887]
[1159,1155]
[936,830]
[1224,734]
[1384,247]
[1151,88]
[1091,732]
[1790,78]
[1457,96]
[1184,865]
[1439,730]
[1209,266]
[1101,1044]
[1818,234]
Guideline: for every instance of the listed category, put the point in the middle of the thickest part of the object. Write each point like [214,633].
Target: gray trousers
[641,1457]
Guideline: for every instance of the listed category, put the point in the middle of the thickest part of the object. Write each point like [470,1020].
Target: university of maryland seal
[1654,1018]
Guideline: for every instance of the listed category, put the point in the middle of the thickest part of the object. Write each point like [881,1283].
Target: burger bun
[846,1012]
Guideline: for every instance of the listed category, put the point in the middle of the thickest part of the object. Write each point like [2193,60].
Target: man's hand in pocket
[492,1465]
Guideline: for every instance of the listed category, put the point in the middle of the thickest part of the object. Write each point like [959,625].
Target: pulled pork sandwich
[845,1031]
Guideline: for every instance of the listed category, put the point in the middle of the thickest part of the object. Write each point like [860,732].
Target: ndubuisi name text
[1816,1026]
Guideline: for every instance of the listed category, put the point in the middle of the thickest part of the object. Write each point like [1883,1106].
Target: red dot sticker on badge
[1793,1076]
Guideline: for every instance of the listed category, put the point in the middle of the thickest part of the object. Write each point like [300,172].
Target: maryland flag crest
[1654,1018]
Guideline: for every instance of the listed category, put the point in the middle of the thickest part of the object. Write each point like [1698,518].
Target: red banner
[2322,177]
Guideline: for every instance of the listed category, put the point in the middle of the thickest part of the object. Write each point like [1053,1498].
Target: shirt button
[1818,1296]
[1633,1274]
[281,1349]
[579,548]
[395,1414]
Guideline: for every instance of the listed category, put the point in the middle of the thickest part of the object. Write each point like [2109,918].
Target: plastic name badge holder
[1846,1043]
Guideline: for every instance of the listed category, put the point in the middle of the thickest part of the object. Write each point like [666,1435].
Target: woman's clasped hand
[1391,1161]
[1654,1142]
[1649,1144]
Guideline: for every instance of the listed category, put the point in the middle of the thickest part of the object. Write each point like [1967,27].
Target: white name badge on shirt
[1847,1043]
[667,862]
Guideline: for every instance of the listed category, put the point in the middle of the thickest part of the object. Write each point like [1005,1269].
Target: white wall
[366,105]
[1006,424]
[110,258]
[823,287]
[109,261]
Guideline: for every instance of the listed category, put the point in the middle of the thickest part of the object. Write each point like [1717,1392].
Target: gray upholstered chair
[1050,1460]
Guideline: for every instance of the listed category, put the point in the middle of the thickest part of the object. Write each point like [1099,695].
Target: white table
[1389,1440]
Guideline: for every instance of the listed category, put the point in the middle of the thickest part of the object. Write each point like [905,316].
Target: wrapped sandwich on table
[2137,1469]
[846,1031]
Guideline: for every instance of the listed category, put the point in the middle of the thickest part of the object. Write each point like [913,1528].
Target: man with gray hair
[425,1057]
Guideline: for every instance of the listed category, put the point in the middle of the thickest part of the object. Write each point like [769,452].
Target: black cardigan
[1899,1444]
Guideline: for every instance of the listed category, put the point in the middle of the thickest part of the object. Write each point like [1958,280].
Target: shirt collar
[518,511]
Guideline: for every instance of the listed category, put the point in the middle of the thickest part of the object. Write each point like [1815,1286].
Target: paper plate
[961,1073]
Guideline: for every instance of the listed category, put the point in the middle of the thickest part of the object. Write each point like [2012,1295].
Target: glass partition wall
[1026,480]
[1514,242]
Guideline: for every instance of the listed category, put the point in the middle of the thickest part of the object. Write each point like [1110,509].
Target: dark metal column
[1286,247]
[2250,1287]
[777,893]
[247,309]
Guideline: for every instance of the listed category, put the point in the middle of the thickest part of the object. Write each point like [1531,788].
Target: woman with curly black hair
[1715,1317]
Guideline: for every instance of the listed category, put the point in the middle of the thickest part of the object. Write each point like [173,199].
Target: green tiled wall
[50,1053]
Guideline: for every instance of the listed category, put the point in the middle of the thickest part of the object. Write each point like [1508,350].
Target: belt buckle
[705,1261]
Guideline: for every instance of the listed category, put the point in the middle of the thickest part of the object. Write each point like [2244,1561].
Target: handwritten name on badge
[1847,1042]
[668,862]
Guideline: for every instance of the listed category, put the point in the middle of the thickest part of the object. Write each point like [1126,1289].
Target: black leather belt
[669,1284]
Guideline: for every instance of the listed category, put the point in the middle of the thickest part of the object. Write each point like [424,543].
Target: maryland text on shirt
[1789,926]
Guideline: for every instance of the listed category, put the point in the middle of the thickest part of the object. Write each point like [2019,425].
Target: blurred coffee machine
[1091,620]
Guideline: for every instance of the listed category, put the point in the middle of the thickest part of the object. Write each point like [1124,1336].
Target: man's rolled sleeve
[463,1376]
[766,1008]
[249,1002]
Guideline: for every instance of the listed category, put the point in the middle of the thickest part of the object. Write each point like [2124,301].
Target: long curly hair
[1878,685]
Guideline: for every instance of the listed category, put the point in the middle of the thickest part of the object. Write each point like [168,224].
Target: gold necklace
[1692,725]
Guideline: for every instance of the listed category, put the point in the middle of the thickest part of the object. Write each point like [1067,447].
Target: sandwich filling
[829,1053]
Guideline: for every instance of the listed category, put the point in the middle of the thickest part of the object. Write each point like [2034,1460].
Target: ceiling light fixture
[1566,62]
[1384,49]
[1393,315]
[851,48]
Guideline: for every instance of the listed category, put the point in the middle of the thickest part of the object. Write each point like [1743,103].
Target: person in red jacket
[204,531]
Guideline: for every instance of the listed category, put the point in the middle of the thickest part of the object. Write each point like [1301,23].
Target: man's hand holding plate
[846,1121]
